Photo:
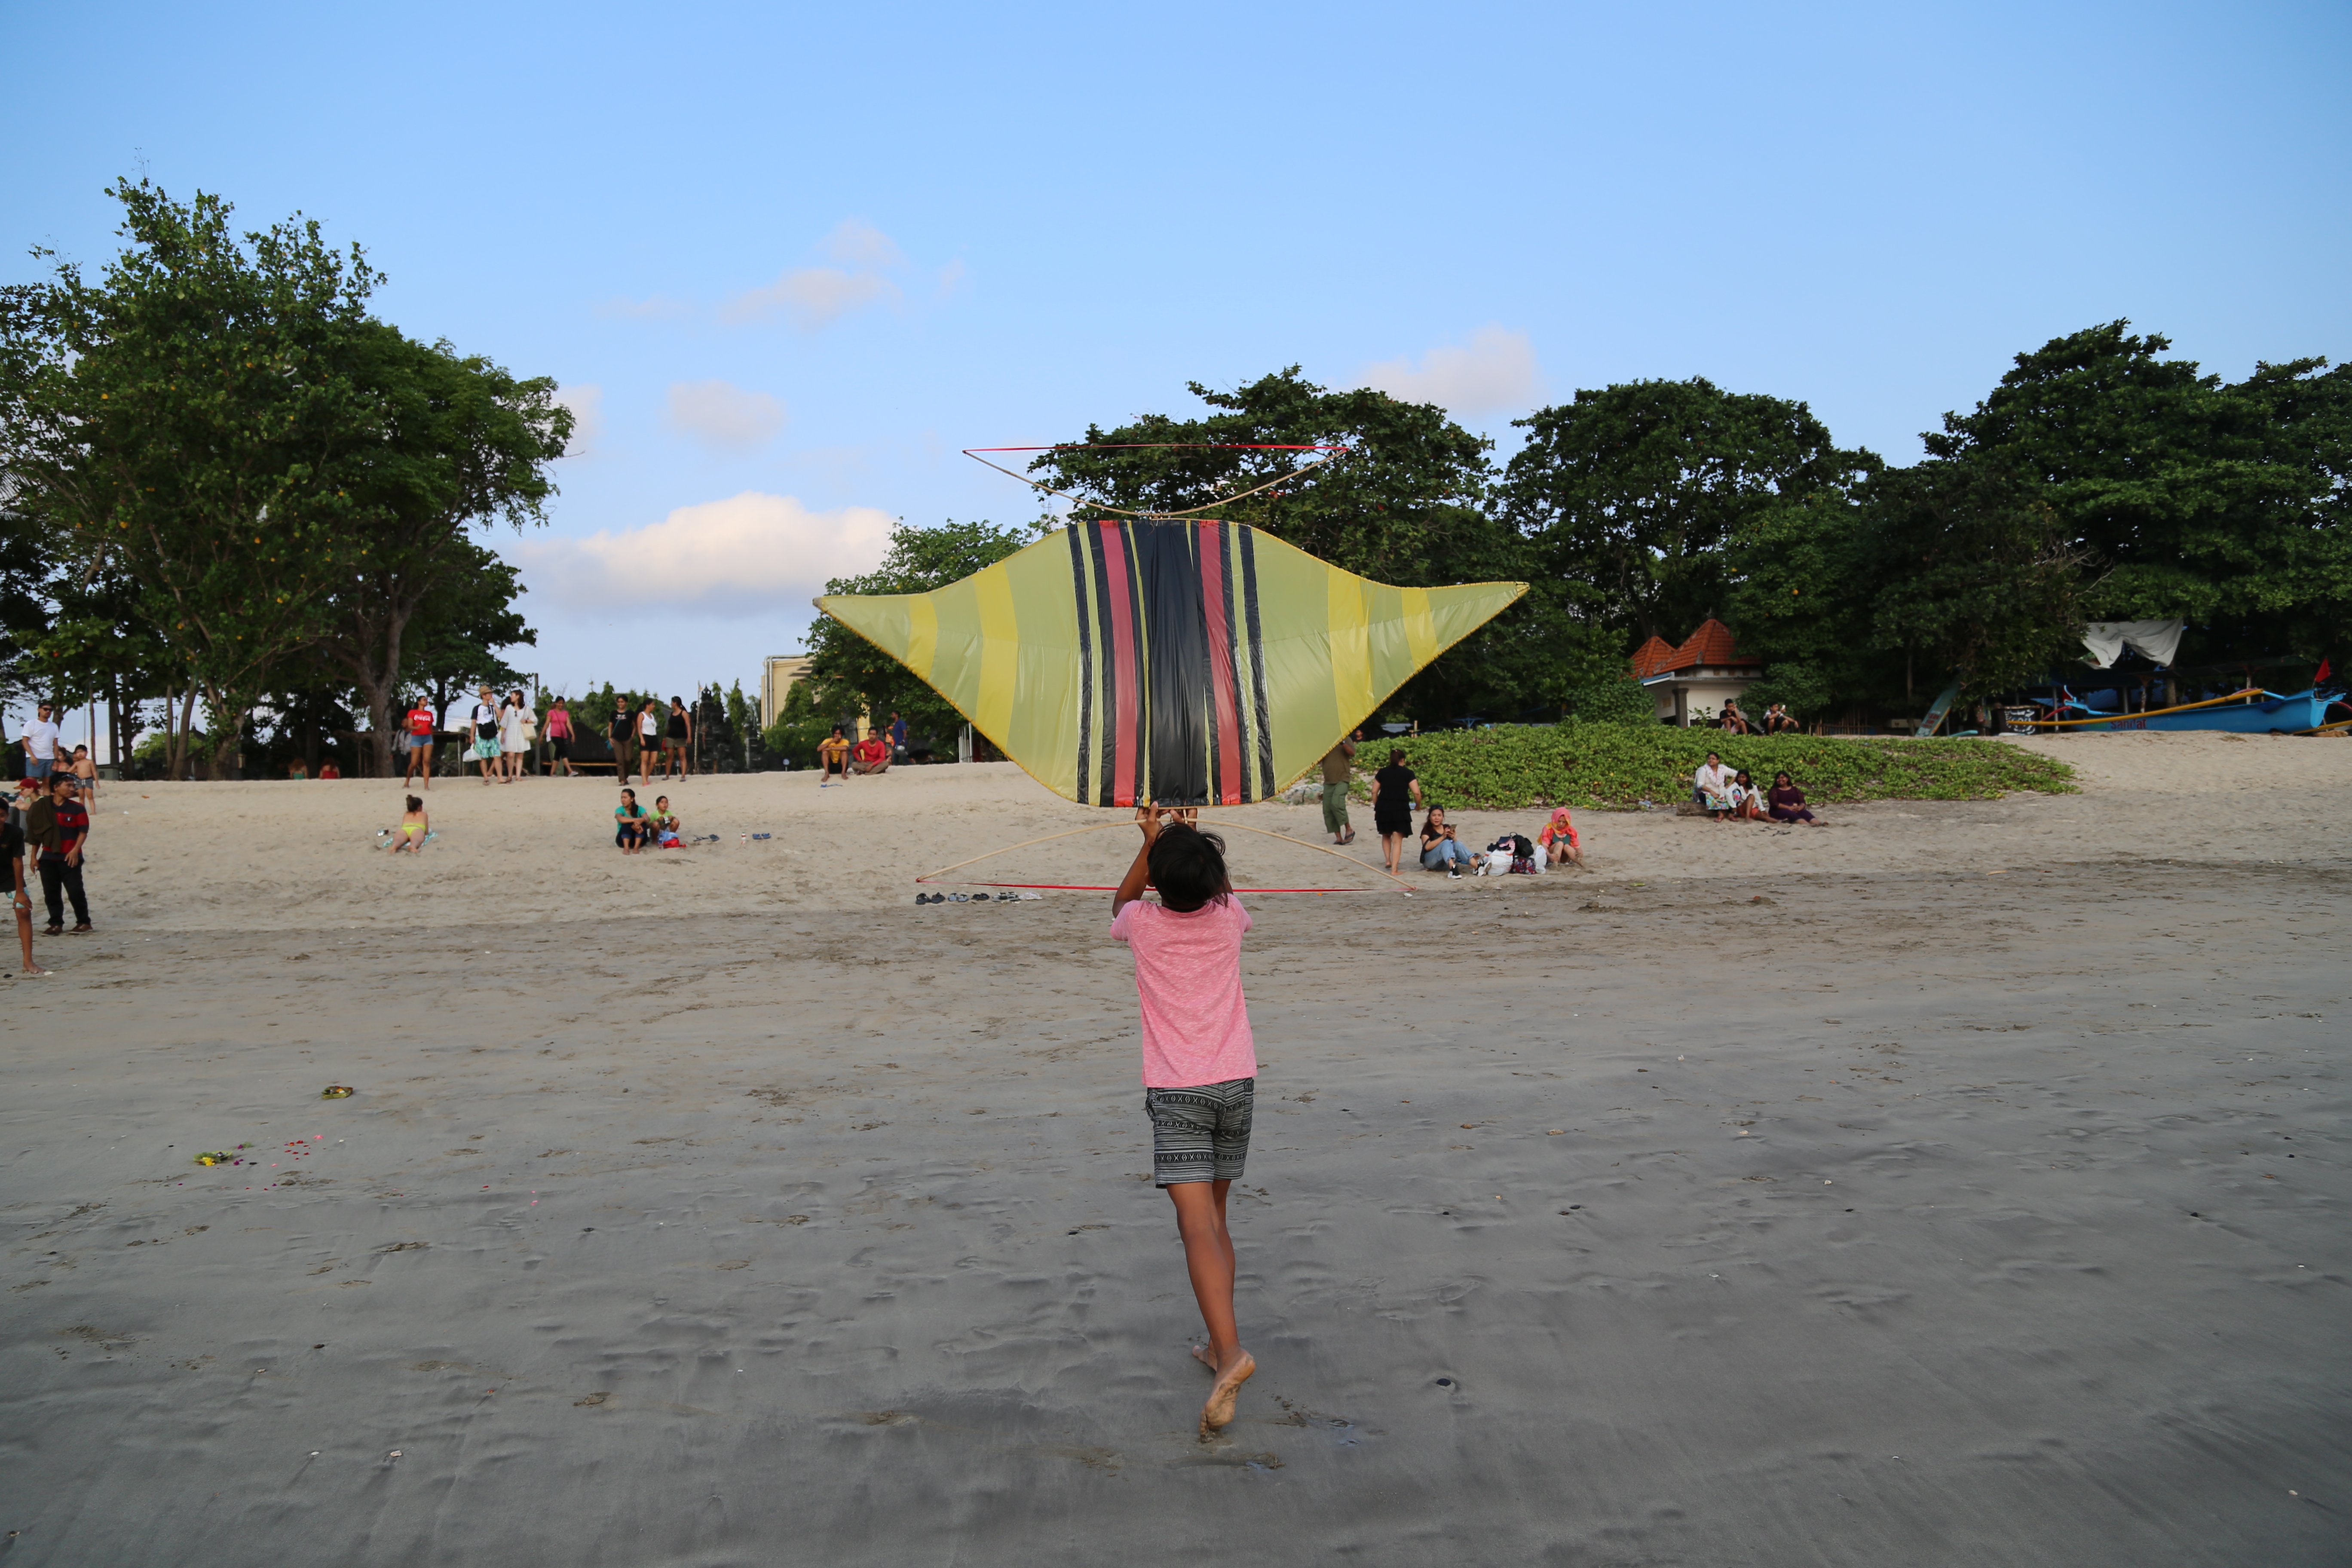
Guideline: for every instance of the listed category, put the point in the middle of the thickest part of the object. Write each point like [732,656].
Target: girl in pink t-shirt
[1200,1066]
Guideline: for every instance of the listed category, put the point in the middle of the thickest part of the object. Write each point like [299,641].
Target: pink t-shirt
[558,724]
[1187,975]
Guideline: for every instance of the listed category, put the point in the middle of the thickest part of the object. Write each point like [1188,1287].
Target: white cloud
[857,243]
[724,417]
[1497,370]
[813,298]
[587,405]
[752,554]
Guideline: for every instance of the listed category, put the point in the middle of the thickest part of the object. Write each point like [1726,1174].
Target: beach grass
[1616,766]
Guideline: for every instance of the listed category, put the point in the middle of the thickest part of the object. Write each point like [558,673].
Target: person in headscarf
[1789,801]
[1558,840]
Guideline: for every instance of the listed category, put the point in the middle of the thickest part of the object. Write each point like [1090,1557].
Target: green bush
[1614,766]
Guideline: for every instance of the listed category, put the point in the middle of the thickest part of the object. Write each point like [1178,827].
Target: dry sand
[1960,1183]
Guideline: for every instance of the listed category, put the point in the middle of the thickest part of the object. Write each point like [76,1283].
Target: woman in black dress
[1395,792]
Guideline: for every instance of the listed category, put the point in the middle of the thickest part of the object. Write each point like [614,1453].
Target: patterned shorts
[1200,1133]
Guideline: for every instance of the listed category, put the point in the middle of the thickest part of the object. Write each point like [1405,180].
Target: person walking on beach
[678,745]
[1395,792]
[617,734]
[898,738]
[20,894]
[40,741]
[649,728]
[1199,1064]
[418,742]
[1339,766]
[482,731]
[559,737]
[516,722]
[59,829]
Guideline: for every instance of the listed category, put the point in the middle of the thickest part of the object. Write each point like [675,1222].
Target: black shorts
[563,745]
[1200,1133]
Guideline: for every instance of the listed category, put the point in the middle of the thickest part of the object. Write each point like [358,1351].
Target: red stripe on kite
[1221,664]
[1123,662]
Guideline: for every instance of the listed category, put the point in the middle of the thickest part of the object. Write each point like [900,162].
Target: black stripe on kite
[1258,662]
[1169,577]
[1086,656]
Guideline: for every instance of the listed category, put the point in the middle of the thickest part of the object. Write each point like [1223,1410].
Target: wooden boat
[2270,713]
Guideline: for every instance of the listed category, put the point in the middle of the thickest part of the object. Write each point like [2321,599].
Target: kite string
[1127,511]
[1025,844]
[1100,827]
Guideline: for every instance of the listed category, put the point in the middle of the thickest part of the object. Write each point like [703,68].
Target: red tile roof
[1711,645]
[1650,656]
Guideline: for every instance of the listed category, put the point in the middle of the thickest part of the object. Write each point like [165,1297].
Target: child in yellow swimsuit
[415,825]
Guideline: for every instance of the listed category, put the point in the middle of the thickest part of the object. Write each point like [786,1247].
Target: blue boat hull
[2303,711]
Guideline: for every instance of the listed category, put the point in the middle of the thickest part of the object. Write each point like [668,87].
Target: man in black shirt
[59,827]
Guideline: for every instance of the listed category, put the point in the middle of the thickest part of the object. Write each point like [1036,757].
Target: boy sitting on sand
[1199,1065]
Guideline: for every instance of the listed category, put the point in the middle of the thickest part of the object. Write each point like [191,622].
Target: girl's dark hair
[415,804]
[630,793]
[1783,773]
[1396,756]
[1432,815]
[1187,867]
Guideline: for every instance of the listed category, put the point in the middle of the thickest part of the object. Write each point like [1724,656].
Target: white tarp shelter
[2159,640]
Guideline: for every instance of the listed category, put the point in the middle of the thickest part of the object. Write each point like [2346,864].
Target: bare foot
[1201,1353]
[1218,1412]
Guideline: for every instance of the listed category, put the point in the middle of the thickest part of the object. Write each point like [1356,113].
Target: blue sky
[787,260]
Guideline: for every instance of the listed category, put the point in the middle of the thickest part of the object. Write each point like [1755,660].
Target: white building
[1692,683]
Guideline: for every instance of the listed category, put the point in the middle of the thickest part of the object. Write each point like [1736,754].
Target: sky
[785,262]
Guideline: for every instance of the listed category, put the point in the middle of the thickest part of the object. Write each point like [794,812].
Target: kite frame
[1338,452]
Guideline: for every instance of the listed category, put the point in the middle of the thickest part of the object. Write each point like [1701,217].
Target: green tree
[455,638]
[848,675]
[1630,494]
[462,444]
[2224,504]
[193,421]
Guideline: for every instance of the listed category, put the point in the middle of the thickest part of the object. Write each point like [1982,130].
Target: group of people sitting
[1777,720]
[1441,848]
[1732,797]
[840,757]
[634,827]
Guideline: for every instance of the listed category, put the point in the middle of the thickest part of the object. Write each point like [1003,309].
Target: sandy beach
[1959,1183]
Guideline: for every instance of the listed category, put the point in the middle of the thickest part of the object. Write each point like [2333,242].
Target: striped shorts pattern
[1200,1133]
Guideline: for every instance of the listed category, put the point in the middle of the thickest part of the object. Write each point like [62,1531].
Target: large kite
[1167,662]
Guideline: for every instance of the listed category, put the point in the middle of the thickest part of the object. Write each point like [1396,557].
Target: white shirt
[40,740]
[1714,778]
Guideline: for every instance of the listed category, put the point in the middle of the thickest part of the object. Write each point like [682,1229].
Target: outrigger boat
[2253,711]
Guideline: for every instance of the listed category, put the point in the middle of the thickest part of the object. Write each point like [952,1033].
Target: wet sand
[1961,1185]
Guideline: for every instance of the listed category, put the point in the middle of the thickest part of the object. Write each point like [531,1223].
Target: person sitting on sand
[630,828]
[415,827]
[1711,787]
[1734,720]
[1440,849]
[833,754]
[1747,800]
[1559,841]
[1199,1064]
[1788,801]
[871,755]
[665,825]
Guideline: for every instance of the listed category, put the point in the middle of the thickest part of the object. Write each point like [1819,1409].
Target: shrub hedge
[1615,766]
